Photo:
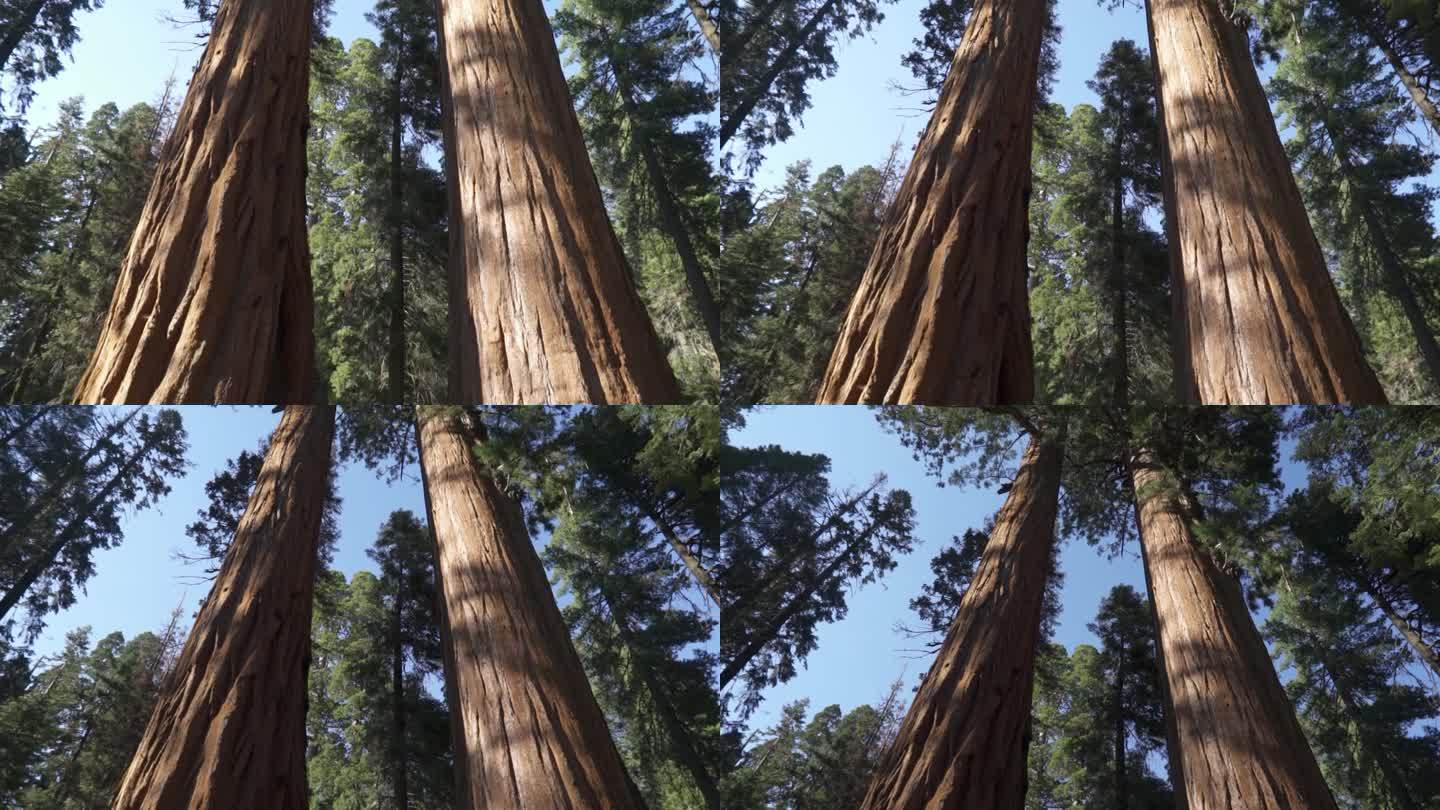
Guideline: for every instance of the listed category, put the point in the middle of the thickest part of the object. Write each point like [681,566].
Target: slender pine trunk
[731,123]
[399,753]
[15,33]
[707,25]
[397,383]
[1119,317]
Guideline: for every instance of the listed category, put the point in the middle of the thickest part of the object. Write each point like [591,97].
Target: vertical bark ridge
[528,730]
[213,301]
[963,741]
[543,308]
[1236,736]
[942,314]
[229,731]
[1258,316]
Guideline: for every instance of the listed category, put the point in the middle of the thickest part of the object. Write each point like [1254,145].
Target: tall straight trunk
[543,308]
[15,32]
[57,488]
[1423,102]
[42,563]
[730,124]
[228,731]
[1237,741]
[963,742]
[942,315]
[213,301]
[397,707]
[682,743]
[1374,745]
[1257,316]
[708,28]
[1423,651]
[397,378]
[1119,317]
[528,731]
[670,217]
[1122,799]
[1397,277]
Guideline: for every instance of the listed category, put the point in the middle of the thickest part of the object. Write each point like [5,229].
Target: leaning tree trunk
[1237,741]
[542,305]
[17,29]
[528,731]
[229,730]
[1423,102]
[964,739]
[213,301]
[1375,745]
[1257,316]
[942,314]
[708,28]
[1425,652]
[731,120]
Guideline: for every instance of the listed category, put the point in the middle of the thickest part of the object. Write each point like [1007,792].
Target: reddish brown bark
[1237,742]
[229,730]
[1257,316]
[963,742]
[213,301]
[942,315]
[527,729]
[542,305]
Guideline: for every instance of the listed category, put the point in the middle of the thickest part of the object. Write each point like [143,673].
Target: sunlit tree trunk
[213,301]
[228,733]
[964,740]
[942,314]
[1237,742]
[1258,319]
[527,729]
[543,308]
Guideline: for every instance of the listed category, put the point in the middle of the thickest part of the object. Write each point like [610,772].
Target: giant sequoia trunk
[963,743]
[213,301]
[1257,318]
[542,305]
[527,729]
[942,314]
[1236,740]
[229,731]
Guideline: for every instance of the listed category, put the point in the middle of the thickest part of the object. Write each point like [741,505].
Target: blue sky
[137,584]
[858,657]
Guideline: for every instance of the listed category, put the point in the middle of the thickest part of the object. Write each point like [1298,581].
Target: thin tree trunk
[528,732]
[730,124]
[1422,100]
[707,24]
[1422,650]
[1122,799]
[1258,317]
[17,30]
[963,742]
[942,315]
[736,46]
[229,731]
[682,744]
[72,530]
[53,493]
[670,218]
[1397,278]
[397,381]
[542,305]
[692,563]
[397,692]
[1395,785]
[1237,738]
[213,301]
[35,415]
[1119,317]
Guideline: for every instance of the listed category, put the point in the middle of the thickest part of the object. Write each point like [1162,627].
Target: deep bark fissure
[228,732]
[942,313]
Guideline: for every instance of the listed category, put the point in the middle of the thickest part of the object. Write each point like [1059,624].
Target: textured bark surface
[942,315]
[1258,319]
[963,742]
[542,305]
[528,732]
[213,302]
[1238,742]
[706,23]
[228,732]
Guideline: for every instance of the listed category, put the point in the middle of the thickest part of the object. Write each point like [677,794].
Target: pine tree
[35,36]
[236,233]
[250,645]
[582,333]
